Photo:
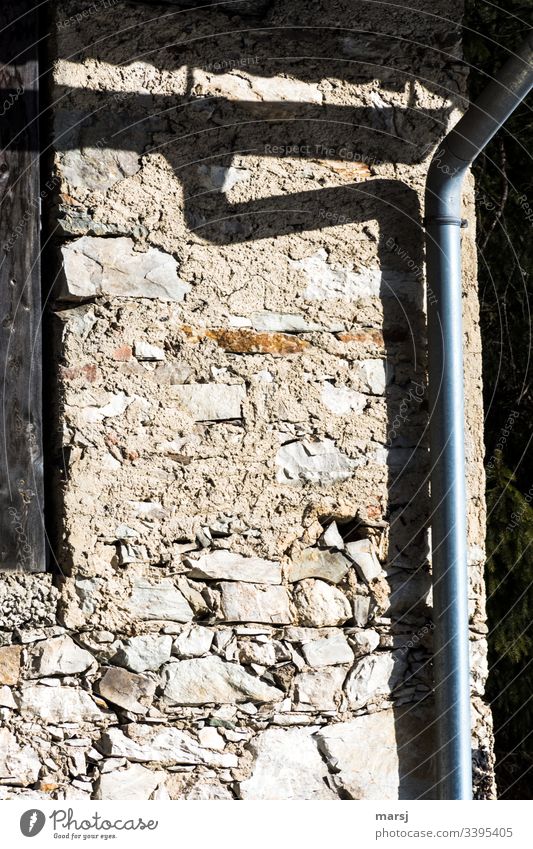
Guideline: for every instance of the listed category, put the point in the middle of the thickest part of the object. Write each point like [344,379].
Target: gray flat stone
[166,746]
[158,601]
[319,463]
[143,653]
[193,642]
[229,566]
[365,558]
[56,705]
[127,690]
[318,563]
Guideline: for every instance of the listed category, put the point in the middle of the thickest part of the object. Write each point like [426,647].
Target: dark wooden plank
[22,534]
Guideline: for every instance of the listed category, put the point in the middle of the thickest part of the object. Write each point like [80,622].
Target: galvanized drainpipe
[446,399]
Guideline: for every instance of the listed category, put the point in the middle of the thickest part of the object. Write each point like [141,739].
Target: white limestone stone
[210,680]
[331,538]
[328,651]
[319,604]
[57,705]
[281,322]
[116,405]
[373,677]
[6,697]
[371,376]
[382,755]
[320,463]
[135,782]
[195,641]
[158,601]
[211,738]
[365,642]
[144,351]
[331,281]
[263,654]
[341,400]
[197,788]
[19,765]
[320,689]
[211,401]
[363,554]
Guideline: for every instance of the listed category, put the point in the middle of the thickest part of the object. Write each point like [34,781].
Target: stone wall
[241,598]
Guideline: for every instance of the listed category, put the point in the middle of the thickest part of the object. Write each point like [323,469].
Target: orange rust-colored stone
[351,170]
[48,786]
[249,341]
[10,657]
[89,371]
[123,354]
[365,336]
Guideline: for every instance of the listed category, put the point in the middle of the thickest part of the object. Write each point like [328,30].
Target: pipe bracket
[445,219]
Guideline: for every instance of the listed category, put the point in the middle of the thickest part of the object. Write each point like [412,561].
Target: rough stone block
[59,656]
[165,746]
[328,651]
[331,566]
[135,782]
[94,265]
[127,690]
[319,690]
[144,653]
[19,765]
[287,765]
[319,604]
[383,755]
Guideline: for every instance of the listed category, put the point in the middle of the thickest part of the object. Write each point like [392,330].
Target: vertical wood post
[22,534]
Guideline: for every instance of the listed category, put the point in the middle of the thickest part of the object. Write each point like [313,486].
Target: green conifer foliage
[504,195]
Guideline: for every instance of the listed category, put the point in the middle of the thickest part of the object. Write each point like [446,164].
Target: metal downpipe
[446,408]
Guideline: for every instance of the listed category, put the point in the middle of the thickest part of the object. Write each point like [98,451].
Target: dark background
[504,180]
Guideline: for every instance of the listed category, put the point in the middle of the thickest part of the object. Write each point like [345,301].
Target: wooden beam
[22,534]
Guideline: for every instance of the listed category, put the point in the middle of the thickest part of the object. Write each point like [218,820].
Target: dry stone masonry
[240,606]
